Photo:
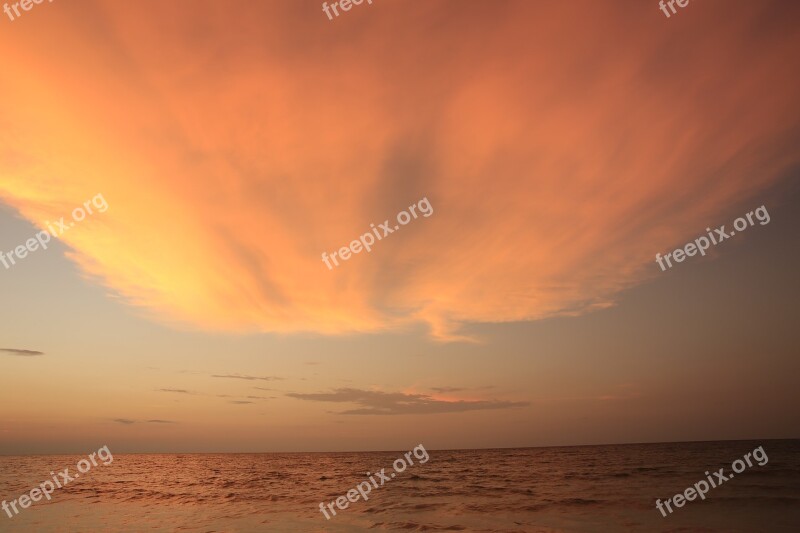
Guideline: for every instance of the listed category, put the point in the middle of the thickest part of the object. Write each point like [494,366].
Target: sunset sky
[561,146]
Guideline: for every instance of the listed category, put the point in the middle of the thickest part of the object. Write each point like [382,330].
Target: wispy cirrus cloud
[243,398]
[21,353]
[248,378]
[128,421]
[447,390]
[400,403]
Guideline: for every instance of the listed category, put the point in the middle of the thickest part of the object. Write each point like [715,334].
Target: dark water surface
[586,488]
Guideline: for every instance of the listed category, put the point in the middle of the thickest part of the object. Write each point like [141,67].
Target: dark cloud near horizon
[249,378]
[242,397]
[21,353]
[128,421]
[179,391]
[444,390]
[447,389]
[398,403]
[239,402]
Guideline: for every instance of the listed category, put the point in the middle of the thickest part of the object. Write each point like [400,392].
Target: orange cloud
[560,146]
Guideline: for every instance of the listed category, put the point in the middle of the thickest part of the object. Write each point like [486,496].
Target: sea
[577,488]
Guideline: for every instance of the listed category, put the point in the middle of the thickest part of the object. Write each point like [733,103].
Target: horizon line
[432,449]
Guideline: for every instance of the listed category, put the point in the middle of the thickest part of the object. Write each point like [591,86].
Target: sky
[556,149]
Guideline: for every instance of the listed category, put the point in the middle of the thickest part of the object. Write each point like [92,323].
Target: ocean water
[584,488]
